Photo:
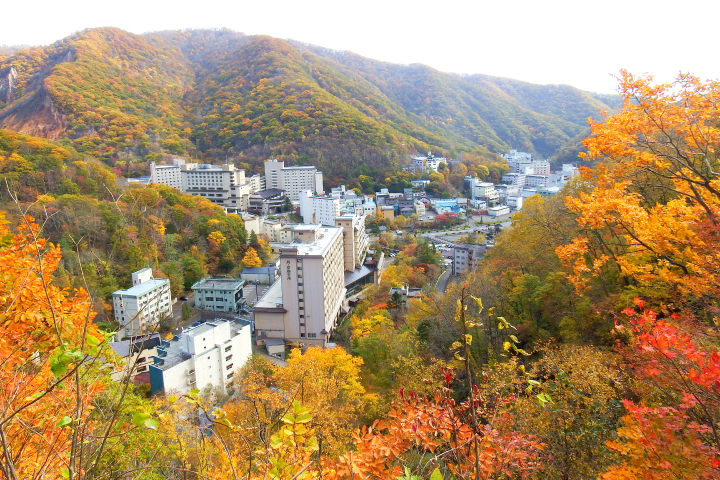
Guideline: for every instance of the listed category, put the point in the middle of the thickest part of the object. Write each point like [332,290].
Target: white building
[422,163]
[303,305]
[139,308]
[167,174]
[224,185]
[522,162]
[209,354]
[135,355]
[466,257]
[498,211]
[318,210]
[293,180]
[485,191]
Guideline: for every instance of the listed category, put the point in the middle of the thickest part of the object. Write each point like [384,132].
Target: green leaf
[139,418]
[65,472]
[92,341]
[534,382]
[436,475]
[64,421]
[152,423]
[303,418]
[172,399]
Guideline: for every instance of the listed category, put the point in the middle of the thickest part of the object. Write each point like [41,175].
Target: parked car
[196,324]
[184,299]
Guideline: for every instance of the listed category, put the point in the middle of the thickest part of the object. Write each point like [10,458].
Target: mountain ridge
[223,95]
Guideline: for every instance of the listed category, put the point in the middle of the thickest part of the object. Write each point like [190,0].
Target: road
[443,281]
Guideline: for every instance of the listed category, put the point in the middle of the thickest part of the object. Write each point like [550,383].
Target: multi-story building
[355,240]
[208,354]
[485,191]
[293,180]
[522,162]
[319,210]
[303,305]
[267,202]
[141,307]
[167,174]
[225,185]
[219,294]
[466,257]
[422,163]
[136,355]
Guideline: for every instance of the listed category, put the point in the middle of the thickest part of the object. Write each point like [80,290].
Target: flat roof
[142,288]
[219,283]
[175,353]
[270,300]
[318,247]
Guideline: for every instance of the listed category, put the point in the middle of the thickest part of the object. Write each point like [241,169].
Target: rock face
[8,83]
[37,116]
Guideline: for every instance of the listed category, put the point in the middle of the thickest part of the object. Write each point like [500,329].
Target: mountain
[222,95]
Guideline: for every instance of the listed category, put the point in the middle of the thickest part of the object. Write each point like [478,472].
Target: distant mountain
[222,95]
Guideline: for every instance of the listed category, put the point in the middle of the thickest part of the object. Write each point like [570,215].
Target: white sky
[576,42]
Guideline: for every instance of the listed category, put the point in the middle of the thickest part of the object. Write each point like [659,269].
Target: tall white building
[303,305]
[167,174]
[293,179]
[209,354]
[318,210]
[225,185]
[139,308]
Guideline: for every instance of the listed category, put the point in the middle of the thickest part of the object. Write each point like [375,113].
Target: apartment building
[293,180]
[208,354]
[303,305]
[219,294]
[522,162]
[466,257]
[139,308]
[136,355]
[319,209]
[355,240]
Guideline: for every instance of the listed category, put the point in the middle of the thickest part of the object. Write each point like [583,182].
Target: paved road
[443,281]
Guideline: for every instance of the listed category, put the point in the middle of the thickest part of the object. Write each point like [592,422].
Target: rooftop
[219,284]
[143,288]
[325,238]
[175,353]
[256,270]
[272,300]
[271,193]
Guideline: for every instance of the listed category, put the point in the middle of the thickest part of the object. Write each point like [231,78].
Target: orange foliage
[43,332]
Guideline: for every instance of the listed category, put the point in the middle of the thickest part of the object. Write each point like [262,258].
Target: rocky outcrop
[8,83]
[37,116]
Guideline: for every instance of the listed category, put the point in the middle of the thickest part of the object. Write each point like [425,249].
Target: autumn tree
[251,259]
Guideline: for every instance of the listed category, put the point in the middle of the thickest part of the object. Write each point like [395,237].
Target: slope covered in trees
[221,95]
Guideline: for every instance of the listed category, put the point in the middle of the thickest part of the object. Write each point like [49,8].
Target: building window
[229,367]
[141,359]
[229,375]
[312,335]
[228,357]
[229,347]
[302,335]
[141,369]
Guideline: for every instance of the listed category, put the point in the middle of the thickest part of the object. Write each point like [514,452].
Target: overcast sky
[575,42]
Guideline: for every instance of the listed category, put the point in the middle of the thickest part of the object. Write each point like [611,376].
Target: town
[321,261]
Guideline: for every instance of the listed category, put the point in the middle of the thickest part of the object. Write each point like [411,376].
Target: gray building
[219,294]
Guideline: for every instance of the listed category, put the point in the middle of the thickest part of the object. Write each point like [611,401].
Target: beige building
[140,308]
[303,305]
[355,240]
[386,212]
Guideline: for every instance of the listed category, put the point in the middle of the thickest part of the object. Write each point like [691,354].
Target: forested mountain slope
[222,95]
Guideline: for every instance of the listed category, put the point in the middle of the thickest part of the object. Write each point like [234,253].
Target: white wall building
[225,185]
[303,305]
[209,354]
[293,180]
[318,210]
[139,308]
[167,174]
[355,240]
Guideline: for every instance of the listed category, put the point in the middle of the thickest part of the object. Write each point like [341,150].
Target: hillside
[222,95]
